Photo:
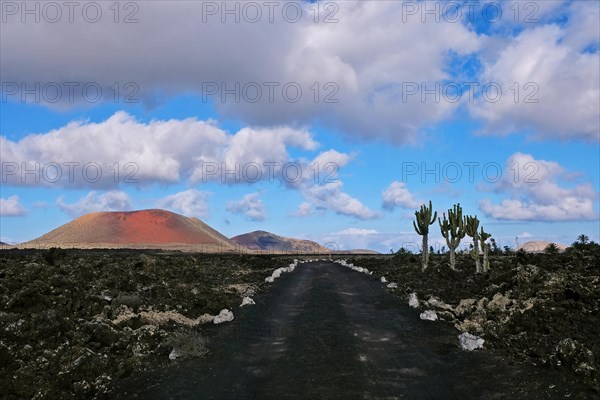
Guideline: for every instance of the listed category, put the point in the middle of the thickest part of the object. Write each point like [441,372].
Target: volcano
[267,241]
[158,229]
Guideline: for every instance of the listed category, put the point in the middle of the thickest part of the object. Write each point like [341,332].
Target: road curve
[327,332]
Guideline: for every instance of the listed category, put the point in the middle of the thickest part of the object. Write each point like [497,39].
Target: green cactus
[423,220]
[471,227]
[453,230]
[483,236]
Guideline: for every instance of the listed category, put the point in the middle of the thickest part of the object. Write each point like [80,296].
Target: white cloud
[536,194]
[201,153]
[331,158]
[559,82]
[368,54]
[191,203]
[366,65]
[582,29]
[351,238]
[251,206]
[357,231]
[11,207]
[364,238]
[94,202]
[304,210]
[155,152]
[398,195]
[330,196]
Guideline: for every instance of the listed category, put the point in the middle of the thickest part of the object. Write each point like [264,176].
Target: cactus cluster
[479,238]
[454,227]
[483,236]
[453,230]
[472,225]
[423,219]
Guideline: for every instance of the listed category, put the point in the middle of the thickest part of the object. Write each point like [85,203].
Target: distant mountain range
[161,229]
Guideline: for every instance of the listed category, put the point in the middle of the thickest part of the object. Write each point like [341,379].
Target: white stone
[383,280]
[429,315]
[173,354]
[224,316]
[277,273]
[470,342]
[392,285]
[413,301]
[247,301]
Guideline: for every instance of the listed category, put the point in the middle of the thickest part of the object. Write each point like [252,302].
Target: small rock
[392,285]
[437,303]
[470,342]
[247,301]
[383,280]
[413,301]
[469,326]
[527,305]
[498,303]
[429,315]
[446,316]
[465,306]
[526,274]
[224,316]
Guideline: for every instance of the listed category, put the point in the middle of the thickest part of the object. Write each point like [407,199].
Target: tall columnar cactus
[453,230]
[423,219]
[471,227]
[483,236]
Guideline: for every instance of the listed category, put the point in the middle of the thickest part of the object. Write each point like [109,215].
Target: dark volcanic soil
[325,332]
[75,324]
[72,322]
[537,308]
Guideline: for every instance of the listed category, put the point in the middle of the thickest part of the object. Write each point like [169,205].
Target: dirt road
[326,332]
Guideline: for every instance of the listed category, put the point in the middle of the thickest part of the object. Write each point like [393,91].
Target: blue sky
[378,113]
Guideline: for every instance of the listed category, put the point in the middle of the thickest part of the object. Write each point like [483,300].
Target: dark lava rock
[533,307]
[60,333]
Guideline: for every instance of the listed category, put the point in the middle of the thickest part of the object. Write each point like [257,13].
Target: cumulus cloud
[94,202]
[191,203]
[330,196]
[351,75]
[124,151]
[331,161]
[344,63]
[398,195]
[11,207]
[558,80]
[536,194]
[83,154]
[250,206]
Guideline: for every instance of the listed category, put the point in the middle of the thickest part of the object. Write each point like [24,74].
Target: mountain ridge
[267,241]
